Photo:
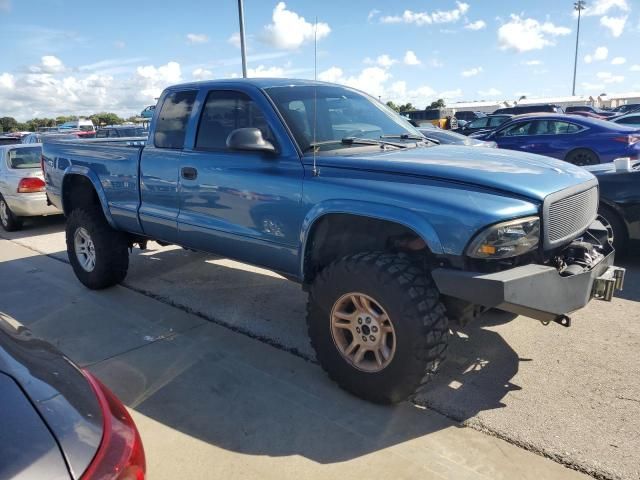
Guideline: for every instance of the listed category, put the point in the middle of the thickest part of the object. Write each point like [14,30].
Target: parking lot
[213,358]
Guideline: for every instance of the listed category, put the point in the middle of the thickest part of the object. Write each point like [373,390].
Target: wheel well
[78,190]
[617,215]
[336,235]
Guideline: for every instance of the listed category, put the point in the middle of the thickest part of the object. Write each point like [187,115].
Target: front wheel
[98,254]
[9,221]
[377,325]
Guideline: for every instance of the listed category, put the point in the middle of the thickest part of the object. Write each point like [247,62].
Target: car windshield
[341,114]
[23,158]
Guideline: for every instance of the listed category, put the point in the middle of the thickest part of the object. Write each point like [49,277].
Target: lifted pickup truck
[392,236]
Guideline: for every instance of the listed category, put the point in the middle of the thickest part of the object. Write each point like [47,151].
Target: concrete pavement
[212,403]
[571,394]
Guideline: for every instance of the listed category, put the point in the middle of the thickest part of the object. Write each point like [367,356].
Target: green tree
[437,104]
[105,118]
[393,106]
[65,118]
[407,107]
[8,124]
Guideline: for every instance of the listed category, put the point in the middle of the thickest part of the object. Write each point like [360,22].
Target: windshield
[23,158]
[341,113]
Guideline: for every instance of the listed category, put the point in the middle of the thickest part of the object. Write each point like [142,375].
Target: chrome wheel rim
[363,332]
[4,213]
[85,250]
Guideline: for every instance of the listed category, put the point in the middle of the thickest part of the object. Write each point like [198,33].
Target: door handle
[189,173]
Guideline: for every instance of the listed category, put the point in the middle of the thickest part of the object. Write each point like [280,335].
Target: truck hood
[524,174]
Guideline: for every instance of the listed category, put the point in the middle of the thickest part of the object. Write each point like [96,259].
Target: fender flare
[379,211]
[97,186]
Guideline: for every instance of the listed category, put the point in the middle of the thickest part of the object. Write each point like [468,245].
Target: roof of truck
[258,82]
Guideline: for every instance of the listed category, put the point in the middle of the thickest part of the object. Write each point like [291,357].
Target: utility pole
[243,49]
[579,5]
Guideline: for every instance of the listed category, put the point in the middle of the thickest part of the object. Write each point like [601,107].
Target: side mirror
[250,139]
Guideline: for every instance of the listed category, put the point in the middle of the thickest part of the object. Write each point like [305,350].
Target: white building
[615,100]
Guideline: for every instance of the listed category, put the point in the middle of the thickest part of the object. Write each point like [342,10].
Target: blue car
[577,140]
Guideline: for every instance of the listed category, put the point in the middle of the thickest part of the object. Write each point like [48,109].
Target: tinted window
[479,123]
[25,158]
[102,133]
[172,121]
[517,130]
[497,121]
[633,120]
[225,111]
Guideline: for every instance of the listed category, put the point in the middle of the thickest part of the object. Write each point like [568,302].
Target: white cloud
[385,61]
[477,25]
[472,72]
[197,38]
[410,58]
[52,64]
[332,75]
[202,74]
[614,24]
[426,18]
[234,39]
[7,81]
[532,63]
[289,30]
[154,79]
[372,14]
[600,53]
[492,92]
[608,77]
[635,68]
[262,71]
[618,61]
[592,86]
[600,7]
[525,34]
[450,94]
[435,63]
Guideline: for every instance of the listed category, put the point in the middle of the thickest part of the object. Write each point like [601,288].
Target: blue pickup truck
[392,236]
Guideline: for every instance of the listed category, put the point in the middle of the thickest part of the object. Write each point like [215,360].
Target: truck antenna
[315,170]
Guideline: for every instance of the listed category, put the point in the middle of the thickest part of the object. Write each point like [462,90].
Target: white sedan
[22,187]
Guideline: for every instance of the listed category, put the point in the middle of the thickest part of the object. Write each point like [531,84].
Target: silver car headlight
[506,239]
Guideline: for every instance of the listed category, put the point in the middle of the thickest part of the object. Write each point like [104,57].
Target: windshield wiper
[354,141]
[404,136]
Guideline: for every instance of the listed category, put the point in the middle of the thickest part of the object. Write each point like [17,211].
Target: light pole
[579,5]
[243,49]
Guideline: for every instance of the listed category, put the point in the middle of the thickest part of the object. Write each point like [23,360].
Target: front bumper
[536,291]
[30,205]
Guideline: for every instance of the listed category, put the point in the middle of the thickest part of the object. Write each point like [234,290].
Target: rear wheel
[583,157]
[377,325]
[98,254]
[8,220]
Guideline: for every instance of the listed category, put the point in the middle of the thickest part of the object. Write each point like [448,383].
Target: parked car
[620,201]
[575,139]
[588,108]
[9,140]
[148,112]
[627,108]
[588,114]
[629,119]
[469,116]
[59,421]
[440,117]
[22,187]
[484,124]
[447,137]
[121,131]
[391,236]
[530,108]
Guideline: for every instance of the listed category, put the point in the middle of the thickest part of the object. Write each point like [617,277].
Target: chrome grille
[568,217]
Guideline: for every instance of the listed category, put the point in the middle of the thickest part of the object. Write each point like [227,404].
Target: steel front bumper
[536,291]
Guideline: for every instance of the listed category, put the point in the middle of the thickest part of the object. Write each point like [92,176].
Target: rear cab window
[172,121]
[24,158]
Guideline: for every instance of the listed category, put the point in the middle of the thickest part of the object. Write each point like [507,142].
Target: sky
[59,57]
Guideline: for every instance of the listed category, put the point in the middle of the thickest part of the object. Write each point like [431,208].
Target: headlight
[507,239]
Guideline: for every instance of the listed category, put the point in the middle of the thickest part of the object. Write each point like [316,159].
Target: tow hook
[563,320]
[606,284]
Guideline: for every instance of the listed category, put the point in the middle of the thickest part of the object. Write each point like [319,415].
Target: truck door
[160,167]
[241,204]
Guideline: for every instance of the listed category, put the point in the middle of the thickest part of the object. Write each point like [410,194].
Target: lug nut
[360,320]
[358,329]
[374,329]
[368,319]
[372,338]
[364,338]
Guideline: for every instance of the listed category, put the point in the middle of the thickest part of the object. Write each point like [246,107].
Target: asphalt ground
[570,394]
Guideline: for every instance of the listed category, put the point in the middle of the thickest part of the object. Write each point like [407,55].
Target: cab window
[172,122]
[225,111]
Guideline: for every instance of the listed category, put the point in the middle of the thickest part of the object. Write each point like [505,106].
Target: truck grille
[568,217]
